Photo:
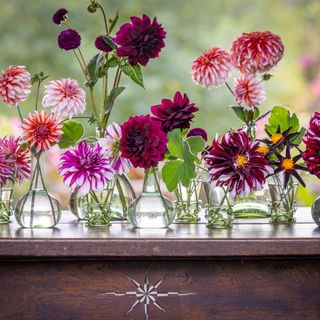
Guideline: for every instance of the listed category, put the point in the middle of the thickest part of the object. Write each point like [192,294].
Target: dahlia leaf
[256,113]
[94,69]
[114,22]
[239,112]
[187,173]
[133,72]
[112,62]
[297,140]
[108,40]
[196,144]
[72,132]
[114,93]
[171,174]
[175,145]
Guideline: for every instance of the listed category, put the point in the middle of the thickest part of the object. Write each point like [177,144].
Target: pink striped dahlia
[15,84]
[64,97]
[5,169]
[249,90]
[236,163]
[256,51]
[212,68]
[86,167]
[41,130]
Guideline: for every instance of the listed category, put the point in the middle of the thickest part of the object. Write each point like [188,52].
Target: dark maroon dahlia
[101,44]
[69,39]
[198,132]
[143,141]
[176,113]
[59,16]
[235,163]
[140,40]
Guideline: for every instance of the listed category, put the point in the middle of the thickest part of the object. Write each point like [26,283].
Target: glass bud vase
[38,208]
[6,203]
[283,199]
[315,211]
[151,209]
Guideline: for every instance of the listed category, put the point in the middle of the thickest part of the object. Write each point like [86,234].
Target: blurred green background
[28,37]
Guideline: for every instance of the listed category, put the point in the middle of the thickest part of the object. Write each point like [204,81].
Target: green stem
[37,94]
[104,18]
[19,112]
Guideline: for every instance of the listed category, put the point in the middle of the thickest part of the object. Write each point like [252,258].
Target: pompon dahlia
[41,130]
[198,132]
[69,39]
[140,40]
[59,16]
[212,68]
[86,167]
[15,84]
[256,51]
[176,113]
[236,163]
[16,157]
[101,45]
[65,98]
[249,90]
[143,141]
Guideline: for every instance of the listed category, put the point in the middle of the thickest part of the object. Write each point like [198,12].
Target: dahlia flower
[212,68]
[69,39]
[143,141]
[249,90]
[65,98]
[176,113]
[86,167]
[140,40]
[59,16]
[236,163]
[16,157]
[5,170]
[41,130]
[15,83]
[311,157]
[101,45]
[198,132]
[256,51]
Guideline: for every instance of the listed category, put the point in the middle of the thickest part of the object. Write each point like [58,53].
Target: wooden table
[254,271]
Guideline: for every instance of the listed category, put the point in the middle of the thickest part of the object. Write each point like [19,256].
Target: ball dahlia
[143,141]
[249,90]
[198,132]
[212,68]
[140,40]
[176,113]
[86,167]
[69,39]
[59,16]
[64,97]
[41,130]
[15,84]
[101,45]
[236,163]
[256,51]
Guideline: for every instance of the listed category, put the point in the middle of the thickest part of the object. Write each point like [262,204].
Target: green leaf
[109,41]
[94,69]
[72,132]
[297,140]
[114,21]
[171,174]
[175,145]
[196,144]
[133,72]
[114,93]
[239,112]
[256,113]
[112,62]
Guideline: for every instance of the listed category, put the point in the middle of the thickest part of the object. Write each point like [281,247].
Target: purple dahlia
[69,39]
[59,16]
[101,44]
[176,113]
[140,40]
[198,132]
[5,169]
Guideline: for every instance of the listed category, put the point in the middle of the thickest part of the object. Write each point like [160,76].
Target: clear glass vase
[315,211]
[6,202]
[151,209]
[283,199]
[38,208]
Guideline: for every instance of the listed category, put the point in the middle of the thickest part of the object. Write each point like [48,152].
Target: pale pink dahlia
[212,68]
[256,51]
[86,168]
[15,83]
[64,97]
[249,90]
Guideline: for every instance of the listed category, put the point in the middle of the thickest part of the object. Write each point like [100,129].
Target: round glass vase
[151,209]
[6,202]
[315,211]
[283,199]
[38,208]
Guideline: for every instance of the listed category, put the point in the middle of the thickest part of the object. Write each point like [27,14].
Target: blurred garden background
[28,37]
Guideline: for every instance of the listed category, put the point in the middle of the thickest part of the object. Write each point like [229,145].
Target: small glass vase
[6,202]
[38,208]
[151,209]
[283,199]
[315,211]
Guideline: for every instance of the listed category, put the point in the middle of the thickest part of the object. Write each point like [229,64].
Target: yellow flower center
[263,149]
[276,137]
[287,164]
[241,160]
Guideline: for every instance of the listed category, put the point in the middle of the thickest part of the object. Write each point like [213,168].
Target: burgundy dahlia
[236,163]
[198,132]
[140,40]
[311,158]
[69,39]
[143,141]
[59,16]
[101,44]
[176,113]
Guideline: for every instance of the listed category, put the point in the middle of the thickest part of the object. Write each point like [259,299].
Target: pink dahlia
[15,83]
[143,141]
[5,169]
[140,40]
[86,167]
[212,68]
[16,157]
[64,97]
[176,113]
[41,130]
[236,163]
[256,51]
[249,90]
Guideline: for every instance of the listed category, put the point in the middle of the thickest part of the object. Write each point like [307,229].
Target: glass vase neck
[37,178]
[151,180]
[251,129]
[99,133]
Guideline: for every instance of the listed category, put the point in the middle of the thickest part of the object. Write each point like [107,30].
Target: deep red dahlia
[256,51]
[311,158]
[143,141]
[100,44]
[140,40]
[236,163]
[59,16]
[198,132]
[69,39]
[176,113]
